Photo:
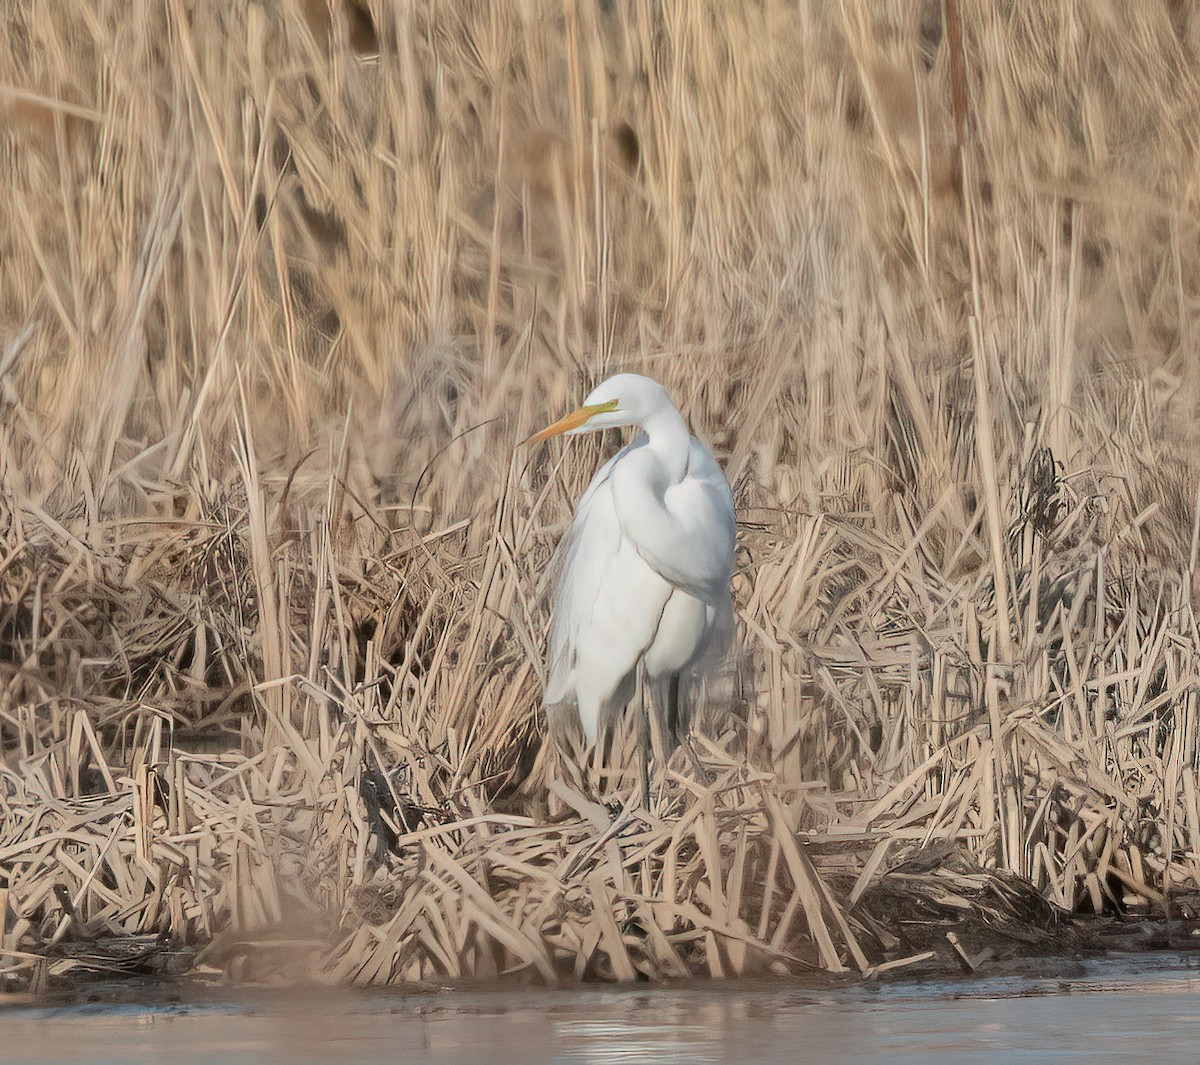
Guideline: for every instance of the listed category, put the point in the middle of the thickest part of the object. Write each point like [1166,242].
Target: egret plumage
[643,592]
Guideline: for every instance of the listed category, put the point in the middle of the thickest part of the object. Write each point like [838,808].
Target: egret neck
[668,437]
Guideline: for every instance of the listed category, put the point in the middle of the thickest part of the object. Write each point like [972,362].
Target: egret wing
[702,504]
[604,612]
[581,561]
[685,530]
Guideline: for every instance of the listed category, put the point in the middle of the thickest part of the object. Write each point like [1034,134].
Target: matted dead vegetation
[282,284]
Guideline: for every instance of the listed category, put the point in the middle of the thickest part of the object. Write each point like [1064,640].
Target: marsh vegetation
[282,283]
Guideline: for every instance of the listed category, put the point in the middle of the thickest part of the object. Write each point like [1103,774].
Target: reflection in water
[1105,1010]
[652,1028]
[624,1043]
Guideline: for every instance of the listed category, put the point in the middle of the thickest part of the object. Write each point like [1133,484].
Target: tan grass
[281,286]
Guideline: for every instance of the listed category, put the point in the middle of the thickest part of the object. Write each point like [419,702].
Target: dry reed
[282,283]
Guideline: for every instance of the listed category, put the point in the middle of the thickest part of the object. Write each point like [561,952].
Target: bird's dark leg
[679,729]
[672,736]
[645,745]
[643,734]
[599,760]
[698,769]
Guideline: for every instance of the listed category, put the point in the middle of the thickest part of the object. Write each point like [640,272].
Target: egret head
[626,399]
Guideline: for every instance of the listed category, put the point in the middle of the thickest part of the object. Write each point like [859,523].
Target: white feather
[645,565]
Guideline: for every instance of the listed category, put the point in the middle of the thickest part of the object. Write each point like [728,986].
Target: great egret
[646,567]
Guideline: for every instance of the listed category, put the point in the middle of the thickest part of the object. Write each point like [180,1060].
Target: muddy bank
[1061,1009]
[150,969]
[923,919]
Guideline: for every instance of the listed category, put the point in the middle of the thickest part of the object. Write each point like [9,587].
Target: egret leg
[673,722]
[644,739]
[645,750]
[597,781]
[702,774]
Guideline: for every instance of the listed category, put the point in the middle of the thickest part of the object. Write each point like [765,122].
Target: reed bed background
[281,286]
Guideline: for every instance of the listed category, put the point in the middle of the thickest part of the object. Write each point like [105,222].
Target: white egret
[646,566]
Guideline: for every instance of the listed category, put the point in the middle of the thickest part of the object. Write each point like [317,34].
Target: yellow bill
[571,421]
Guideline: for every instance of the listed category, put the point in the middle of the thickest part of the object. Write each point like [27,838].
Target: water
[1106,1010]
